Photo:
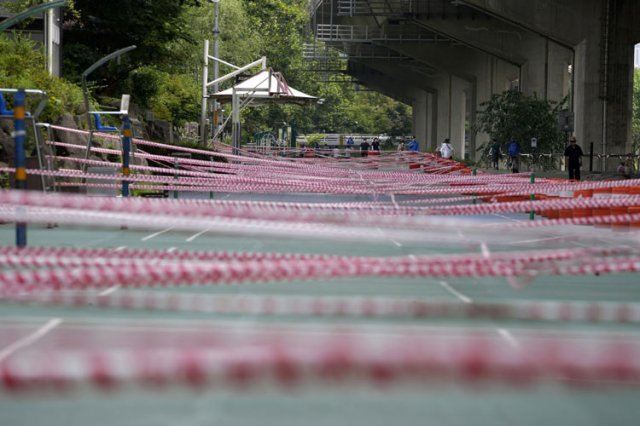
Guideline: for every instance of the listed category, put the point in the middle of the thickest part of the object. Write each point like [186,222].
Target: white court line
[506,334]
[28,340]
[109,290]
[120,248]
[396,243]
[538,240]
[381,232]
[507,217]
[148,237]
[577,243]
[193,237]
[456,293]
[393,200]
[485,251]
[171,249]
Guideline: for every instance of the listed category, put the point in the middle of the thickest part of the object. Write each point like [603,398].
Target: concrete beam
[566,22]
[452,59]
[491,37]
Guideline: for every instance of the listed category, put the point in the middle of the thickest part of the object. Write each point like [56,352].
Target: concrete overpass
[445,57]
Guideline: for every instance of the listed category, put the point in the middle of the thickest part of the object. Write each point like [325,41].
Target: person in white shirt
[347,152]
[336,152]
[446,150]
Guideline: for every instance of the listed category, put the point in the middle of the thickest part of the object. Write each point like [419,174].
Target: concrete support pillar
[619,100]
[604,84]
[452,113]
[546,72]
[458,116]
[420,117]
[589,108]
[471,102]
[533,71]
[432,118]
[558,74]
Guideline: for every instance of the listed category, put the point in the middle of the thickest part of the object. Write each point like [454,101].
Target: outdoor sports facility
[396,289]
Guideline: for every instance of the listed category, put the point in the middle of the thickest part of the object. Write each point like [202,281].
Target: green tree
[163,74]
[94,29]
[22,66]
[514,114]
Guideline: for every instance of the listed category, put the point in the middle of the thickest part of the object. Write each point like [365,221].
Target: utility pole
[205,96]
[205,77]
[216,54]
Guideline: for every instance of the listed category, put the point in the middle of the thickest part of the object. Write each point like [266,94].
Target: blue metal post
[126,151]
[532,197]
[474,173]
[20,135]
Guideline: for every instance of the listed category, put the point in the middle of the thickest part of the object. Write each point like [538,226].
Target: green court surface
[441,404]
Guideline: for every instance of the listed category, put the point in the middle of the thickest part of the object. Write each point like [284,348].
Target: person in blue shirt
[513,151]
[413,145]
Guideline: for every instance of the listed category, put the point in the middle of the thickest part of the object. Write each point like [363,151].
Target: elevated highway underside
[446,57]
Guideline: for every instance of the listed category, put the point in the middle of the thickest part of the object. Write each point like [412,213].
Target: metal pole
[216,54]
[48,40]
[85,91]
[34,10]
[203,109]
[127,134]
[474,172]
[532,197]
[20,158]
[235,122]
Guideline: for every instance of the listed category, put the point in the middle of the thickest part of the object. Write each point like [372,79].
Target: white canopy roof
[265,87]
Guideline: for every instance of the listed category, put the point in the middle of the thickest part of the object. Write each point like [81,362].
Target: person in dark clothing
[375,145]
[573,155]
[364,149]
[495,152]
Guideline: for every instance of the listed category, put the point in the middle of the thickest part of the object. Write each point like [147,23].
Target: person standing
[364,148]
[375,145]
[413,145]
[573,155]
[513,150]
[347,152]
[446,150]
[495,152]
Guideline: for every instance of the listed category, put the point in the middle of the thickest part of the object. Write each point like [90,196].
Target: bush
[22,66]
[175,98]
[143,85]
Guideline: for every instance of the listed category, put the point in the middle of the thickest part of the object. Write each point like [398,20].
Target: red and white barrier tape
[293,358]
[368,307]
[135,273]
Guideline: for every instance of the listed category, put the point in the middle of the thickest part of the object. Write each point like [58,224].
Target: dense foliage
[21,67]
[512,114]
[163,73]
